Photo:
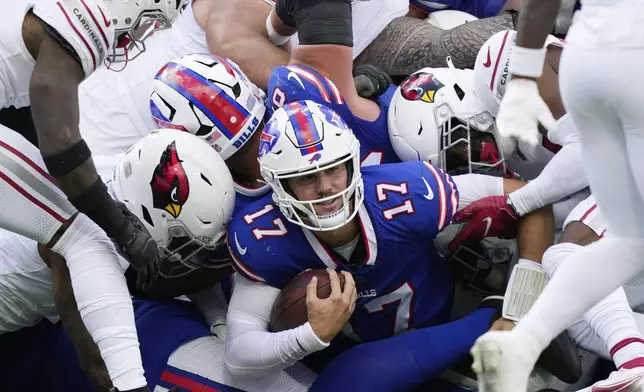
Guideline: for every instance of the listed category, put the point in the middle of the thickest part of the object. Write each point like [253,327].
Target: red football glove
[489,217]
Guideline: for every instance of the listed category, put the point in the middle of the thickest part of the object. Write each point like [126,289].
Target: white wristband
[273,36]
[527,62]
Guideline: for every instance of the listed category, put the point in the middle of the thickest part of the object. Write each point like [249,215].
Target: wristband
[527,62]
[273,36]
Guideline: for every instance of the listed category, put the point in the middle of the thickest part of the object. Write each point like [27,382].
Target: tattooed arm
[89,357]
[407,44]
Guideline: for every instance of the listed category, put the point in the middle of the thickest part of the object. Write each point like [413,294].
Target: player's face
[458,155]
[319,185]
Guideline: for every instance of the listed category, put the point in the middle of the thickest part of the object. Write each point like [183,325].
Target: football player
[179,354]
[609,117]
[550,163]
[327,212]
[181,191]
[48,48]
[609,328]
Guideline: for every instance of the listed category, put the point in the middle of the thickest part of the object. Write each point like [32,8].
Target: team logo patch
[169,183]
[269,137]
[421,86]
[333,117]
[315,158]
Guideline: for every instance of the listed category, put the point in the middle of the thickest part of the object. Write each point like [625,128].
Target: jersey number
[382,192]
[401,298]
[279,227]
[373,157]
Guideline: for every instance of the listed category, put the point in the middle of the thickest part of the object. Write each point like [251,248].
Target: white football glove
[521,111]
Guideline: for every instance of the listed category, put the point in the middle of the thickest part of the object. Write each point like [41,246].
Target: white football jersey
[83,24]
[25,280]
[114,103]
[608,24]
[204,358]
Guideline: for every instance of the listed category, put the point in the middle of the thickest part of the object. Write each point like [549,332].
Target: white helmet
[134,20]
[210,97]
[448,19]
[435,116]
[183,193]
[492,67]
[303,138]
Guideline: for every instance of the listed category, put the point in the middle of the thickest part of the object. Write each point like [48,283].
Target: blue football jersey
[479,8]
[245,195]
[298,83]
[401,280]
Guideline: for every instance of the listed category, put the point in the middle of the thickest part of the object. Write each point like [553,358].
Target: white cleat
[502,362]
[627,380]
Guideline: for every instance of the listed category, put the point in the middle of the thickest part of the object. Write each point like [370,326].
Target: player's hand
[370,81]
[489,217]
[522,110]
[328,316]
[135,243]
[503,324]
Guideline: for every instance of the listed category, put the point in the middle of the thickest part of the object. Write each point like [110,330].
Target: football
[289,310]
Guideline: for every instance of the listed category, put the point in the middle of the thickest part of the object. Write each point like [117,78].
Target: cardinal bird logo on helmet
[420,86]
[169,182]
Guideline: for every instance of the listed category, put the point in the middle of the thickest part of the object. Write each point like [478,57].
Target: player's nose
[325,183]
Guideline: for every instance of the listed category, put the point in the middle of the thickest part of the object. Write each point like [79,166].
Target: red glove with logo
[492,216]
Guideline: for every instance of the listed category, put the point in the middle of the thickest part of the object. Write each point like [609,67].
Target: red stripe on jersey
[242,268]
[100,28]
[591,209]
[311,78]
[442,197]
[28,161]
[78,33]
[32,199]
[186,383]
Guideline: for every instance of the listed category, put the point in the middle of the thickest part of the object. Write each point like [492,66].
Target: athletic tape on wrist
[527,62]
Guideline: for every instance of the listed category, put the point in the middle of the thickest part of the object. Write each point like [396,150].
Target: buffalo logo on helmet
[170,188]
[269,137]
[421,86]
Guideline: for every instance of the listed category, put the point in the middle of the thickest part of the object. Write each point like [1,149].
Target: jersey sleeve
[415,198]
[256,242]
[83,25]
[297,82]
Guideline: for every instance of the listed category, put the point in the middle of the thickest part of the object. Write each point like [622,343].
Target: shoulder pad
[256,229]
[414,196]
[85,26]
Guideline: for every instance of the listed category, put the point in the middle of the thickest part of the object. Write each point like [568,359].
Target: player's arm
[483,203]
[53,91]
[325,31]
[536,21]
[237,30]
[562,176]
[89,356]
[251,349]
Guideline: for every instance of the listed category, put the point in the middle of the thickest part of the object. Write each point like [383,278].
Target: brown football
[289,309]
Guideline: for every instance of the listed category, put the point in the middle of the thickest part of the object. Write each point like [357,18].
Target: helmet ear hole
[146,215]
[459,92]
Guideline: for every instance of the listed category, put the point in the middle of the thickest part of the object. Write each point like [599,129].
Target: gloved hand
[521,111]
[370,81]
[489,217]
[136,245]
